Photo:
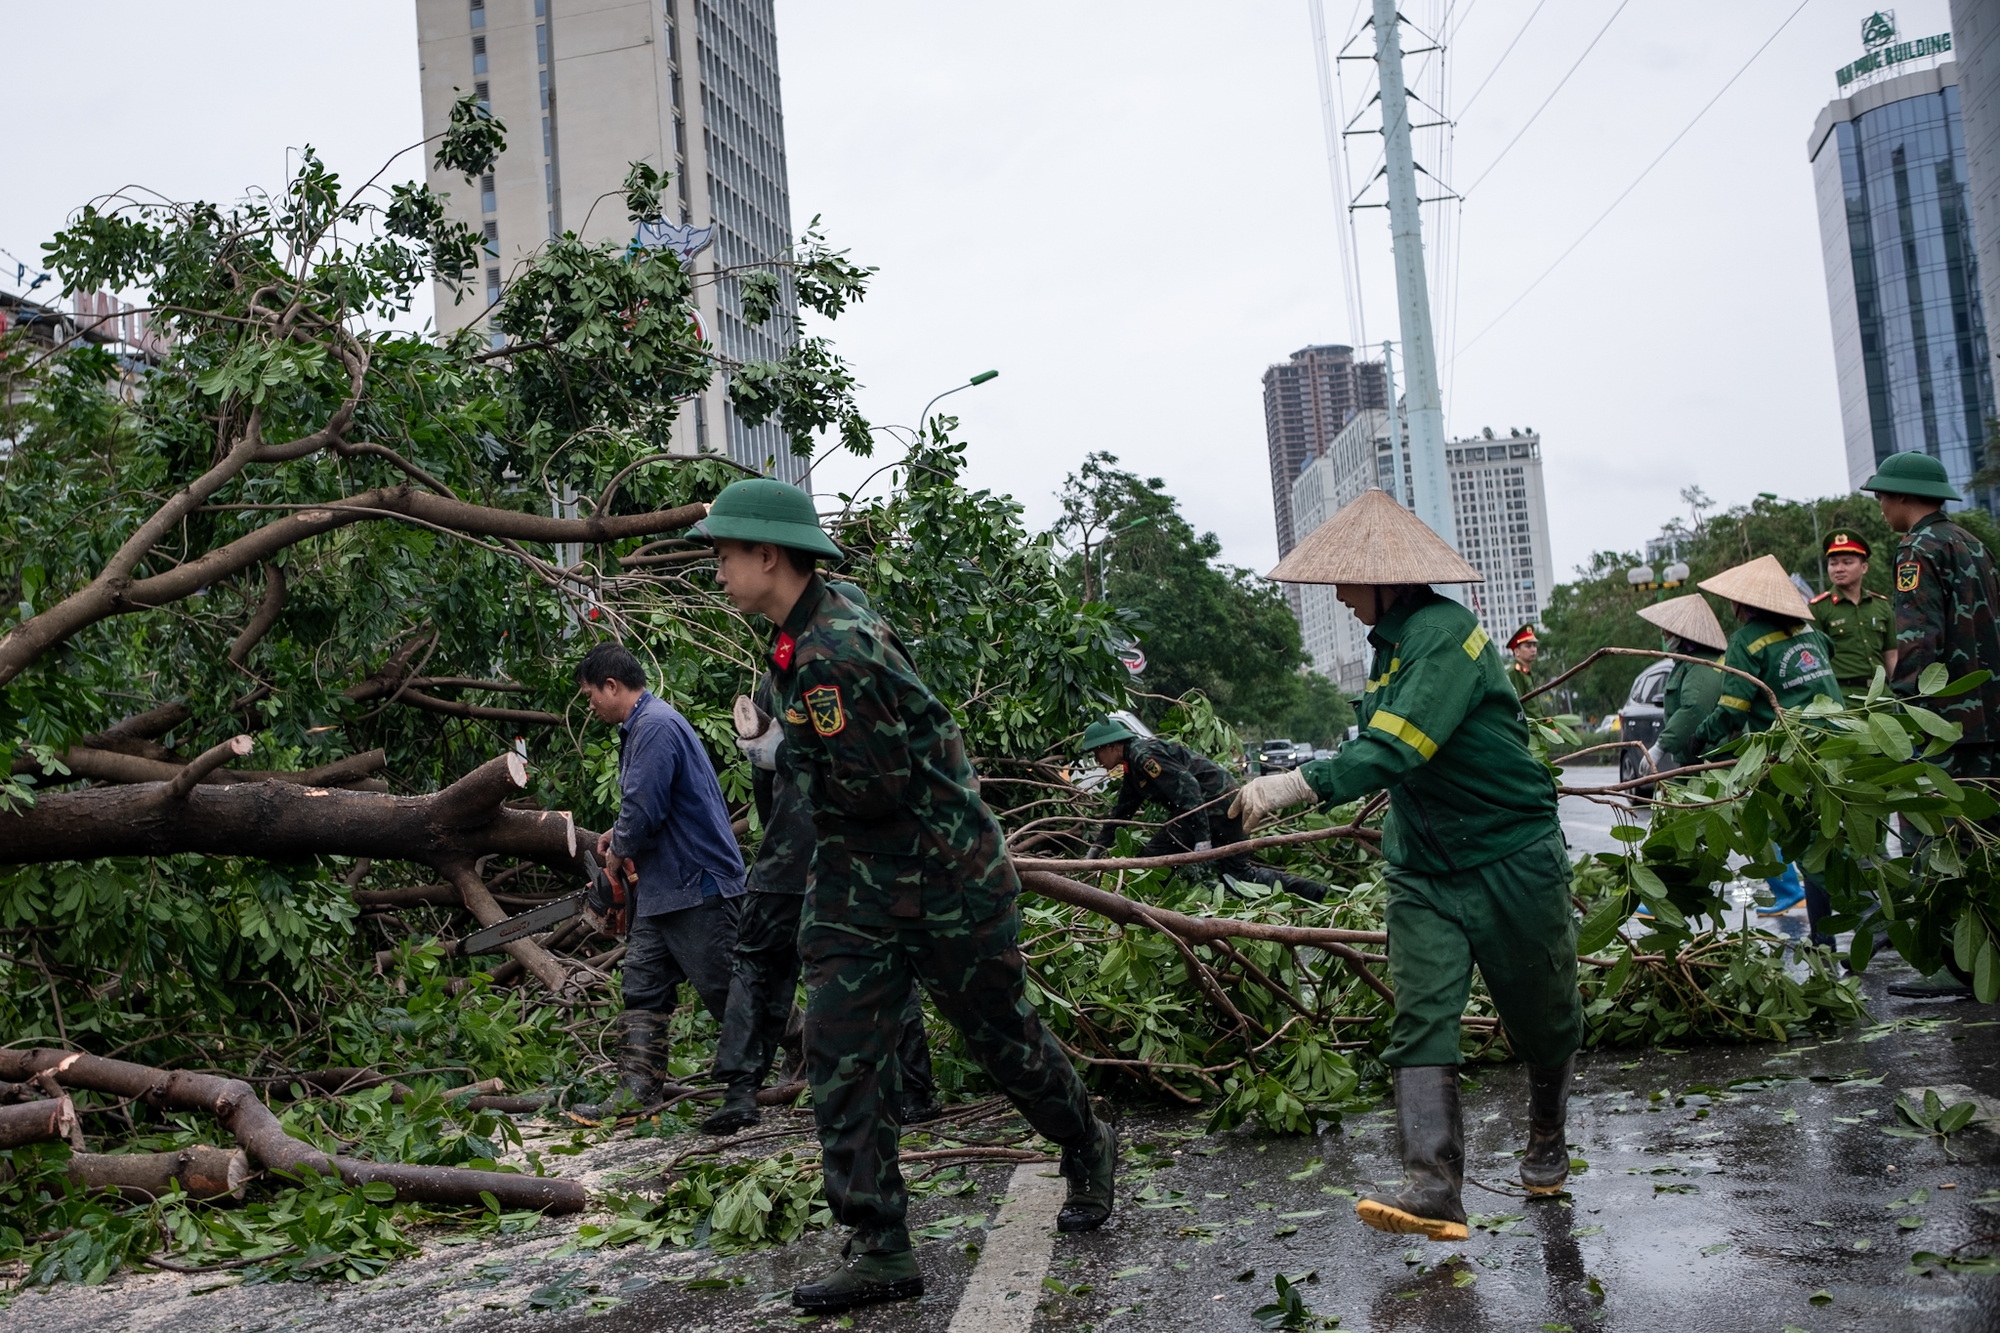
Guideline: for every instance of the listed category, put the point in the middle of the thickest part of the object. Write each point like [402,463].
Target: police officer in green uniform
[1858,624]
[1524,648]
[1194,791]
[910,879]
[1947,600]
[1689,627]
[1775,641]
[1477,872]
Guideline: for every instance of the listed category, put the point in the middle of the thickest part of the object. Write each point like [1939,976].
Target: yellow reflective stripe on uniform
[1383,679]
[1740,705]
[1404,732]
[1475,643]
[1776,636]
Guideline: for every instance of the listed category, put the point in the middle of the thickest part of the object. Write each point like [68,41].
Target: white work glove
[1263,797]
[1658,759]
[758,734]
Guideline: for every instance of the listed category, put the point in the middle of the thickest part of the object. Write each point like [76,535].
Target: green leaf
[1933,678]
[1971,680]
[1956,1117]
[1603,923]
[1986,974]
[1895,741]
[379,1191]
[1933,725]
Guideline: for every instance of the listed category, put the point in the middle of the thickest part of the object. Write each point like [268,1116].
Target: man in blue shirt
[672,841]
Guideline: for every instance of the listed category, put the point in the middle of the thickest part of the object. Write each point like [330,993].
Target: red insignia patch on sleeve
[781,651]
[1906,576]
[824,707]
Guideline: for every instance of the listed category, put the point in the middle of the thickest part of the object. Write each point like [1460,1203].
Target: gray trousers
[696,945]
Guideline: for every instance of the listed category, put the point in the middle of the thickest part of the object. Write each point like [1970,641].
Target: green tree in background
[1203,626]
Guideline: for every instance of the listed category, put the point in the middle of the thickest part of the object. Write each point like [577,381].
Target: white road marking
[1006,1284]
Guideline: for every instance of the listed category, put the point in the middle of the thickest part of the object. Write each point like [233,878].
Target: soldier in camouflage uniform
[1946,603]
[1195,792]
[910,879]
[761,1013]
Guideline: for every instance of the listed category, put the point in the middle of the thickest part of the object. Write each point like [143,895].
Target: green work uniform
[1477,869]
[1947,602]
[1790,656]
[1860,633]
[1691,695]
[910,879]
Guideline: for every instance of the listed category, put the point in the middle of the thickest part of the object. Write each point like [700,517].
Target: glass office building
[1909,333]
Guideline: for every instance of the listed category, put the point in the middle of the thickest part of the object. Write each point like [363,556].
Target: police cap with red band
[1846,543]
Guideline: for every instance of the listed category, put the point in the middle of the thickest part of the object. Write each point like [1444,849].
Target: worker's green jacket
[1691,695]
[1441,730]
[1790,656]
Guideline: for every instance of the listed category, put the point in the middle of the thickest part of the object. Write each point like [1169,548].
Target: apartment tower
[586,87]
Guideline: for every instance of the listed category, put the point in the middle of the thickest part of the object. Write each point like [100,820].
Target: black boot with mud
[1545,1166]
[863,1277]
[643,1047]
[738,1110]
[1089,1168]
[1433,1139]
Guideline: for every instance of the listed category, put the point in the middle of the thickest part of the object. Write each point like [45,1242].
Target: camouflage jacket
[903,837]
[1790,656]
[1946,601]
[1189,786]
[784,859]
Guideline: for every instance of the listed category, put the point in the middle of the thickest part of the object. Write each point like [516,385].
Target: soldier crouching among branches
[1478,871]
[910,879]
[1194,791]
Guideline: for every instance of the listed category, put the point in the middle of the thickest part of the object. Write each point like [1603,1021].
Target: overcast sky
[1125,209]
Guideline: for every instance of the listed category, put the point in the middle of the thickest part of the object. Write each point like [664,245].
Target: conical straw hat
[1688,618]
[1374,540]
[1762,583]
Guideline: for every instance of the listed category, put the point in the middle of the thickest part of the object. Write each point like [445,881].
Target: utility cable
[1641,176]
[1550,98]
[1502,60]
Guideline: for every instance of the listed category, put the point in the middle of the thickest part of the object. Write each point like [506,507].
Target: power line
[1550,98]
[1641,176]
[1502,60]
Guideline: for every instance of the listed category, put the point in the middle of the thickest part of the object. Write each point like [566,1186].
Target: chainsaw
[606,904]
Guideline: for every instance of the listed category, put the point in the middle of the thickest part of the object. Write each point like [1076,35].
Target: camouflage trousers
[761,1012]
[857,983]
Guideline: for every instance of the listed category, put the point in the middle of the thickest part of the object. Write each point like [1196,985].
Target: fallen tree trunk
[235,1106]
[36,1122]
[116,766]
[280,821]
[141,1177]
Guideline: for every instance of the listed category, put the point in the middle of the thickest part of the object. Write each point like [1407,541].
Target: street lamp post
[974,382]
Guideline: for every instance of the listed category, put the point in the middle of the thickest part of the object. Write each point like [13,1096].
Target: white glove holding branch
[1266,796]
[758,734]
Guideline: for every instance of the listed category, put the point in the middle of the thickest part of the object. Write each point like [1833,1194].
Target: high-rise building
[1307,401]
[1498,508]
[1975,37]
[1896,232]
[587,87]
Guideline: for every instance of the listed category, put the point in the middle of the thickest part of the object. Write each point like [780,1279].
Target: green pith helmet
[1912,473]
[764,509]
[853,594]
[1107,731]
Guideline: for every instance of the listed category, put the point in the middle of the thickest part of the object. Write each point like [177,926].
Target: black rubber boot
[1433,1138]
[918,1100]
[1545,1166]
[862,1278]
[737,1112]
[1090,1169]
[1300,887]
[643,1043]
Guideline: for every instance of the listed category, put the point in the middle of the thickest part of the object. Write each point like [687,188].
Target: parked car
[1641,718]
[1275,756]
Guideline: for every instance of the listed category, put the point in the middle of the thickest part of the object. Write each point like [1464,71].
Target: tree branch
[265,617]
